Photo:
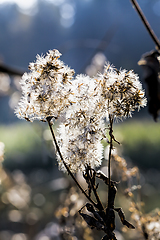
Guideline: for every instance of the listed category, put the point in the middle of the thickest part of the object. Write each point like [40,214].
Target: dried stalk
[67,168]
[146,23]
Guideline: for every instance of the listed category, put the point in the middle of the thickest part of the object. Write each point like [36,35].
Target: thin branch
[10,71]
[67,168]
[110,148]
[99,203]
[103,43]
[110,151]
[145,22]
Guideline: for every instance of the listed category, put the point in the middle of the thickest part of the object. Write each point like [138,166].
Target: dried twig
[67,168]
[146,23]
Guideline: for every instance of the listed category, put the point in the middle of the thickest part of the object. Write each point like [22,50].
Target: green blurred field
[24,144]
[140,142]
[26,149]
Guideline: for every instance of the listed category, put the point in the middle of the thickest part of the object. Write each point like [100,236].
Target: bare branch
[146,23]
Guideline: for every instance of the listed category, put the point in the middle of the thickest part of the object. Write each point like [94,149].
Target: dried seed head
[45,89]
[121,92]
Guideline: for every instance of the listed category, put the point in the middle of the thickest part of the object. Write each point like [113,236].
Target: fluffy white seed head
[49,89]
[80,136]
[45,89]
[121,92]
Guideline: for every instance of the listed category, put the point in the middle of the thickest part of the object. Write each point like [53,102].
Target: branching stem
[145,22]
[67,168]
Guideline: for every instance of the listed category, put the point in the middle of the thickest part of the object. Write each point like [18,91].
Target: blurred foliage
[31,198]
[27,203]
[140,141]
[25,147]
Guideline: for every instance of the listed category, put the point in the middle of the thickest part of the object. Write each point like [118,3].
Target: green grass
[23,144]
[140,142]
[20,137]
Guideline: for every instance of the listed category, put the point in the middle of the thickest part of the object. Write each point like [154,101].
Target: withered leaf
[122,217]
[151,66]
[92,222]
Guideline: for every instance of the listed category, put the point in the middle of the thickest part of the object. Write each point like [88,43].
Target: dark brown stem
[67,168]
[145,22]
[99,204]
[110,151]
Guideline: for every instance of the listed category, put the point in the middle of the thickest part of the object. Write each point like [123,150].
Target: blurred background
[87,33]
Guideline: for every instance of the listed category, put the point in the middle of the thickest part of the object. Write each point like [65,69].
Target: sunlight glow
[24,6]
[29,7]
[56,2]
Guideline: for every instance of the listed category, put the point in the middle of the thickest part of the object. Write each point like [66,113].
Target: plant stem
[99,203]
[145,22]
[67,168]
[110,151]
[110,148]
